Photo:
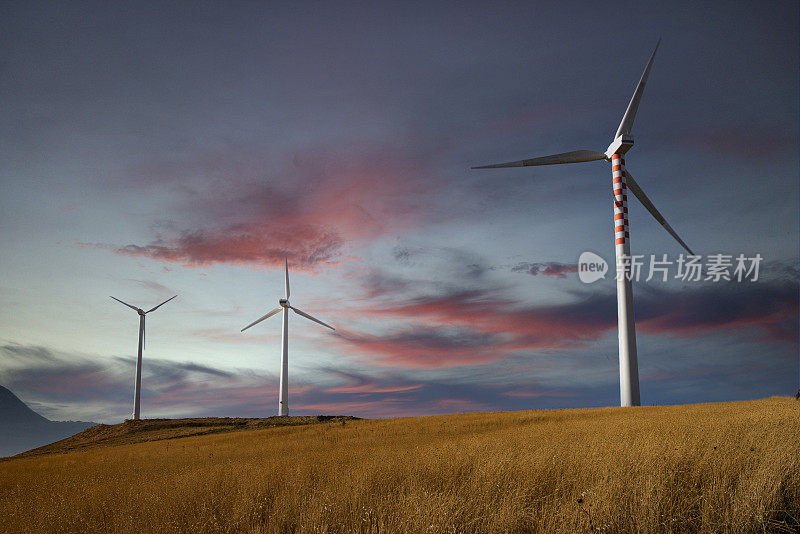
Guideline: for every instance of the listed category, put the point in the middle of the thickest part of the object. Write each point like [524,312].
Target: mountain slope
[15,412]
[22,429]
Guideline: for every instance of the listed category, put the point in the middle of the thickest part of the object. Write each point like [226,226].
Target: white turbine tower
[283,397]
[138,384]
[622,180]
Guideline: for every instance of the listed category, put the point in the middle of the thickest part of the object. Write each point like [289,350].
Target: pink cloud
[310,212]
[472,327]
[372,388]
[528,393]
[421,348]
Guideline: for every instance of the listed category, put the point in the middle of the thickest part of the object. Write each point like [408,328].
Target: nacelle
[621,145]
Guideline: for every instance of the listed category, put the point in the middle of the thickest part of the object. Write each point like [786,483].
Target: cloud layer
[466,327]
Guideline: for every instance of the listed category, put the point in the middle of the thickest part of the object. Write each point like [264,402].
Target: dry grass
[141,430]
[731,467]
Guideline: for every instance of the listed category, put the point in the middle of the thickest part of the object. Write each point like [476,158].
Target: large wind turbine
[622,180]
[283,305]
[138,384]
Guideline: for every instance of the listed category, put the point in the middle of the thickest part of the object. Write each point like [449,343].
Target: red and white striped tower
[623,141]
[628,366]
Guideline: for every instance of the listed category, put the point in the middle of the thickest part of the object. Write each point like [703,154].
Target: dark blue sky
[154,149]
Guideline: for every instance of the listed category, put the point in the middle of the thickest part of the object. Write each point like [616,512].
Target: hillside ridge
[144,430]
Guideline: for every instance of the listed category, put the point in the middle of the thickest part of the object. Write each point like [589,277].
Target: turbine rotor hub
[284,303]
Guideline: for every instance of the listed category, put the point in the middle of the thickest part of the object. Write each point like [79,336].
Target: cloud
[769,307]
[392,394]
[15,353]
[75,386]
[153,286]
[311,211]
[550,268]
[255,244]
[91,388]
[376,283]
[227,336]
[467,327]
[366,385]
[459,327]
[421,347]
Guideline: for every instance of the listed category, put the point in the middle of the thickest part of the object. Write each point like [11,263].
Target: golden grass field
[732,467]
[137,431]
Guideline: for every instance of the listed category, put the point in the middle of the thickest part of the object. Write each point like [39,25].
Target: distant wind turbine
[622,180]
[138,384]
[283,397]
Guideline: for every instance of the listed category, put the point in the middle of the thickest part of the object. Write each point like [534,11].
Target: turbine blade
[157,307]
[576,156]
[270,314]
[126,304]
[307,316]
[144,334]
[286,265]
[636,190]
[633,106]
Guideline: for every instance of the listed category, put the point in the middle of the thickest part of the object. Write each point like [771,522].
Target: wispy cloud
[75,386]
[458,327]
[91,388]
[767,308]
[550,268]
[154,286]
[425,347]
[327,198]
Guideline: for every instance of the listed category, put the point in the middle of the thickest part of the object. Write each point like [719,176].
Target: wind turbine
[622,180]
[138,384]
[283,305]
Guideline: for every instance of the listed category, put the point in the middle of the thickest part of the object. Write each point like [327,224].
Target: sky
[151,149]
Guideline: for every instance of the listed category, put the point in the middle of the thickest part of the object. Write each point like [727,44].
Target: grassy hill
[732,467]
[138,431]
